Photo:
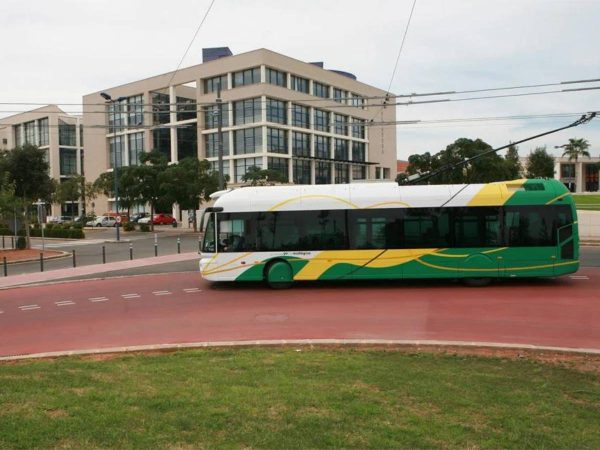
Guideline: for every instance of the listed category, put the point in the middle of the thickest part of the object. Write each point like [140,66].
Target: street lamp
[109,100]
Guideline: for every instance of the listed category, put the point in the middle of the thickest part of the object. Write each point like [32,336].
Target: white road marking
[127,296]
[579,277]
[191,290]
[162,292]
[1,312]
[70,243]
[64,303]
[97,299]
[29,307]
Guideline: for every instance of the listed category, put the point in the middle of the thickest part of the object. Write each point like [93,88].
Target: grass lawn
[301,398]
[587,202]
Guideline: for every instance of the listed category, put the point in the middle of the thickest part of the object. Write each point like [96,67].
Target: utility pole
[220,136]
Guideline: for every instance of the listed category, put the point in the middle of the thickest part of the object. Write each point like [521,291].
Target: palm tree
[576,148]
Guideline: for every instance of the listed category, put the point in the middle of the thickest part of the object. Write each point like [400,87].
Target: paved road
[181,308]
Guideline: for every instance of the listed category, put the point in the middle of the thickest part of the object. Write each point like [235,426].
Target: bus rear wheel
[279,275]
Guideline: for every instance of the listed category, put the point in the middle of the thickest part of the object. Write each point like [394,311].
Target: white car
[102,221]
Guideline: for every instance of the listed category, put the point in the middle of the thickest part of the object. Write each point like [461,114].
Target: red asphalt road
[182,308]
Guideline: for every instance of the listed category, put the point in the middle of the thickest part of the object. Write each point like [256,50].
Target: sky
[56,52]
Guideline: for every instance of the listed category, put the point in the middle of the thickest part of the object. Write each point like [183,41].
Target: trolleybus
[282,234]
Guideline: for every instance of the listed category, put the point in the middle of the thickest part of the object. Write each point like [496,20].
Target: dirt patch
[27,255]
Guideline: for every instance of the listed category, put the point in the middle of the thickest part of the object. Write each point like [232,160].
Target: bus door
[567,250]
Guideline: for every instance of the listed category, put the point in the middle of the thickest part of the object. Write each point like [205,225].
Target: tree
[27,171]
[68,191]
[539,164]
[262,177]
[512,163]
[576,148]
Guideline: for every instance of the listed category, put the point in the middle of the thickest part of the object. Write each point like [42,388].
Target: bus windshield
[208,245]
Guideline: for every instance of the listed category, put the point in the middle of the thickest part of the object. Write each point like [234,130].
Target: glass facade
[248,140]
[214,165]
[135,111]
[186,108]
[116,145]
[340,124]
[44,132]
[29,130]
[276,111]
[301,171]
[358,151]
[342,173]
[211,116]
[299,84]
[322,146]
[339,95]
[281,165]
[67,134]
[160,108]
[276,77]
[300,144]
[245,77]
[300,116]
[243,164]
[341,149]
[161,138]
[211,144]
[212,84]
[322,172]
[68,161]
[320,90]
[187,142]
[277,140]
[321,122]
[358,128]
[359,173]
[357,100]
[247,111]
[136,148]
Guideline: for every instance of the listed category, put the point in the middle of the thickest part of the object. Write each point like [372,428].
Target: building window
[301,171]
[340,124]
[276,111]
[342,173]
[212,84]
[322,172]
[321,120]
[29,128]
[247,111]
[322,144]
[280,165]
[214,166]
[44,134]
[117,116]
[320,90]
[135,111]
[211,144]
[276,77]
[186,108]
[243,164]
[359,172]
[161,139]
[567,170]
[245,77]
[211,116]
[358,128]
[300,144]
[18,135]
[357,100]
[67,134]
[339,95]
[277,140]
[358,151]
[68,161]
[386,173]
[341,149]
[187,142]
[377,173]
[300,116]
[136,148]
[160,109]
[248,141]
[299,84]
[116,145]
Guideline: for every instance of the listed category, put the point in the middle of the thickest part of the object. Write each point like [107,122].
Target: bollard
[74,261]
[103,254]
[130,252]
[155,249]
[178,245]
[3,242]
[5,267]
[199,246]
[41,262]
[12,242]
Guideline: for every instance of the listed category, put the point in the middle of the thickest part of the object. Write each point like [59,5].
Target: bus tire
[279,275]
[477,282]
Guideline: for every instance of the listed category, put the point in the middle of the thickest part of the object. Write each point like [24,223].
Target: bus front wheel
[279,275]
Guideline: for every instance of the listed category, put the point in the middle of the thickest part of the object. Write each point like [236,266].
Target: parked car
[136,217]
[58,219]
[159,219]
[102,221]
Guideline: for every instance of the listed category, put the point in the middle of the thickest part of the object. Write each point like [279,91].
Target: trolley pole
[220,136]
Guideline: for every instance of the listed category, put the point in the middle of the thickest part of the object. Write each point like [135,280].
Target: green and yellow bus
[281,234]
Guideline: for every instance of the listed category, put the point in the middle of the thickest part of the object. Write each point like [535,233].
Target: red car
[159,219]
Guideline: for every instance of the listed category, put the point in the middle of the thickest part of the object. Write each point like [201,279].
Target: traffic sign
[118,219]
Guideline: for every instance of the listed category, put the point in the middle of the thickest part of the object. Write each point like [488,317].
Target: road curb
[302,342]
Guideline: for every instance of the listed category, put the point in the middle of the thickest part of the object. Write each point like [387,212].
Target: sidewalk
[55,275]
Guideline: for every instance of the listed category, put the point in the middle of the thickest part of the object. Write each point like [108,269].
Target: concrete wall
[589,225]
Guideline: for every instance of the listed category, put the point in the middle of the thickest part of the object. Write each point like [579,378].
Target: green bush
[129,226]
[49,226]
[78,226]
[21,243]
[144,227]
